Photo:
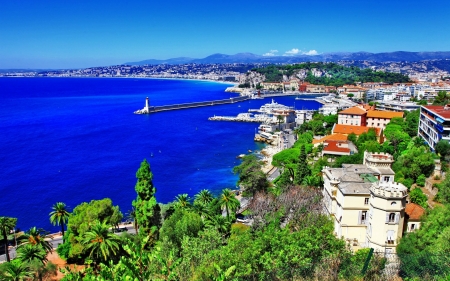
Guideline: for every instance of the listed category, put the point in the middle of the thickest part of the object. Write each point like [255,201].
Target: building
[434,124]
[413,215]
[397,106]
[379,119]
[338,147]
[366,205]
[353,116]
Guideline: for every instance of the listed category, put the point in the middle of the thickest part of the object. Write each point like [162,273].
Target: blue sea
[77,139]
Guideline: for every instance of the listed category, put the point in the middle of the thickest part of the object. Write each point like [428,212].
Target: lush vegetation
[336,75]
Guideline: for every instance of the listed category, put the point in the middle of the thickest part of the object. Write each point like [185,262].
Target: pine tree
[302,167]
[148,215]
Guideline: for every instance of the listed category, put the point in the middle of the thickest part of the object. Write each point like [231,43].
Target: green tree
[204,197]
[443,148]
[182,223]
[36,237]
[147,209]
[251,178]
[302,170]
[101,243]
[182,201]
[59,215]
[7,224]
[417,196]
[280,120]
[29,253]
[228,201]
[16,271]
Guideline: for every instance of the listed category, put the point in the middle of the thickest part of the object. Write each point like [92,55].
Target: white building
[366,205]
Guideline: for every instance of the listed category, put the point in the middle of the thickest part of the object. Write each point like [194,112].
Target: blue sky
[70,34]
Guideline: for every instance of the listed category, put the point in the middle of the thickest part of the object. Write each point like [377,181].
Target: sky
[74,34]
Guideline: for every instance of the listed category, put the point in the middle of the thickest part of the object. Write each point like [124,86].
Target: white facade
[366,205]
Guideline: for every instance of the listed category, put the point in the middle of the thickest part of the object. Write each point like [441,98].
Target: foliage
[59,215]
[414,162]
[228,201]
[442,98]
[411,122]
[421,180]
[302,169]
[15,271]
[424,253]
[83,217]
[443,148]
[100,242]
[146,208]
[417,196]
[337,75]
[29,253]
[182,223]
[443,195]
[36,237]
[251,178]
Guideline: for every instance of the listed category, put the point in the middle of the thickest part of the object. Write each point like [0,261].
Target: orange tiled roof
[414,211]
[335,137]
[356,110]
[333,146]
[383,114]
[348,129]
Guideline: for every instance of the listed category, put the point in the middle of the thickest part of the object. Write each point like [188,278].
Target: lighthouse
[147,105]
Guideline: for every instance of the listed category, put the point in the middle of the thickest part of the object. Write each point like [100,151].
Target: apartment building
[366,205]
[434,124]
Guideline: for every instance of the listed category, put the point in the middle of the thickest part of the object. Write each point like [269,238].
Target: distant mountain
[252,58]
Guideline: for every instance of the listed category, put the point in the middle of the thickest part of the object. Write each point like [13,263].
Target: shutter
[387,217]
[359,217]
[397,217]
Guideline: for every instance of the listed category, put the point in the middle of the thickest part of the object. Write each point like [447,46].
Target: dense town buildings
[434,124]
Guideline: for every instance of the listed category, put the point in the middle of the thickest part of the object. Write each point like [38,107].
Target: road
[57,239]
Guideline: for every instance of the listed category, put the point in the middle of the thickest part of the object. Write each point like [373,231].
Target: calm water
[77,139]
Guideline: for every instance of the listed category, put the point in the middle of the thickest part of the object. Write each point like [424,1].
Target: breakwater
[153,109]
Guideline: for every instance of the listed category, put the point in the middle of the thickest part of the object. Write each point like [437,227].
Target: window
[393,203]
[390,237]
[392,218]
[386,179]
[366,201]
[362,217]
[378,124]
[413,226]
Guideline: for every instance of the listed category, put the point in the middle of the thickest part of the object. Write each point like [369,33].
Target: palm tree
[6,225]
[101,243]
[280,120]
[59,215]
[220,223]
[204,197]
[17,271]
[182,201]
[36,237]
[228,201]
[30,253]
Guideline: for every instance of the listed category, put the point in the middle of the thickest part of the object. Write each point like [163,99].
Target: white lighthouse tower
[147,103]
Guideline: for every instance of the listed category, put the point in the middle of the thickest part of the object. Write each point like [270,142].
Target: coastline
[128,77]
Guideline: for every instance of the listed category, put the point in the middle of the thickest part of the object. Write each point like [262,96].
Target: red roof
[348,129]
[414,211]
[334,146]
[356,110]
[443,111]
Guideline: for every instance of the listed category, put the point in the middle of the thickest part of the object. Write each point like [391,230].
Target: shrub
[421,180]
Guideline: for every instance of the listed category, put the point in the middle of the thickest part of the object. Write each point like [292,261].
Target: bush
[437,177]
[408,183]
[421,180]
[417,196]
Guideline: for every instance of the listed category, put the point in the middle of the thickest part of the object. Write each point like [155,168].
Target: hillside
[329,74]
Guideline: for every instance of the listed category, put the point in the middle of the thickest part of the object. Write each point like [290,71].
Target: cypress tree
[302,167]
[148,215]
